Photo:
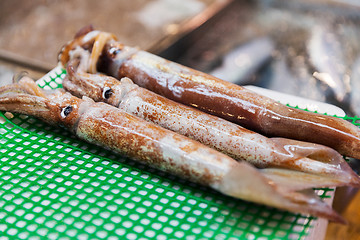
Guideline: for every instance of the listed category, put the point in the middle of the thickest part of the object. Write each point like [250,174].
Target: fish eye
[66,111]
[107,92]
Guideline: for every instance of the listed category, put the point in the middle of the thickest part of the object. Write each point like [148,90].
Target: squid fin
[247,183]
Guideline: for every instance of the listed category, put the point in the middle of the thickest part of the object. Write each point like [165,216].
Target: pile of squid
[193,125]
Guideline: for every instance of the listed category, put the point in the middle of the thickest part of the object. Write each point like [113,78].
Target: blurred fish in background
[355,86]
[327,57]
[289,71]
[239,65]
[305,48]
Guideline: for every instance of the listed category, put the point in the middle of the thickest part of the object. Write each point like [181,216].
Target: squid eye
[107,92]
[66,111]
[114,51]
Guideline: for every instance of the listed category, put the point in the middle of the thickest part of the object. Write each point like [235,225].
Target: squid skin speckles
[212,131]
[220,98]
[108,126]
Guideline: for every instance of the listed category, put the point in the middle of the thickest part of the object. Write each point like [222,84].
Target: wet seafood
[217,97]
[212,131]
[110,127]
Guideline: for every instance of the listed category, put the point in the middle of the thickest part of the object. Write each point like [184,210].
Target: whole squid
[212,95]
[227,137]
[110,127]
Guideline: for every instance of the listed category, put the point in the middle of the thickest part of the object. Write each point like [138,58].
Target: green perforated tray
[53,186]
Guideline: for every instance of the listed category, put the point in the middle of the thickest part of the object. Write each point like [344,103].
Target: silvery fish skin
[355,88]
[289,70]
[279,76]
[326,55]
[242,62]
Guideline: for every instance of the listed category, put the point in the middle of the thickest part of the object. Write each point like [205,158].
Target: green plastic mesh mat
[54,186]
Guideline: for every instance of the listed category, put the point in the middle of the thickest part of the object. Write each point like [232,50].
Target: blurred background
[33,32]
[304,48]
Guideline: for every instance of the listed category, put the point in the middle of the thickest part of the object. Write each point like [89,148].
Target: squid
[215,132]
[110,127]
[212,95]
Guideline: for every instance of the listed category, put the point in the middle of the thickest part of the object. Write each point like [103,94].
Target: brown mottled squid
[212,131]
[111,127]
[214,96]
